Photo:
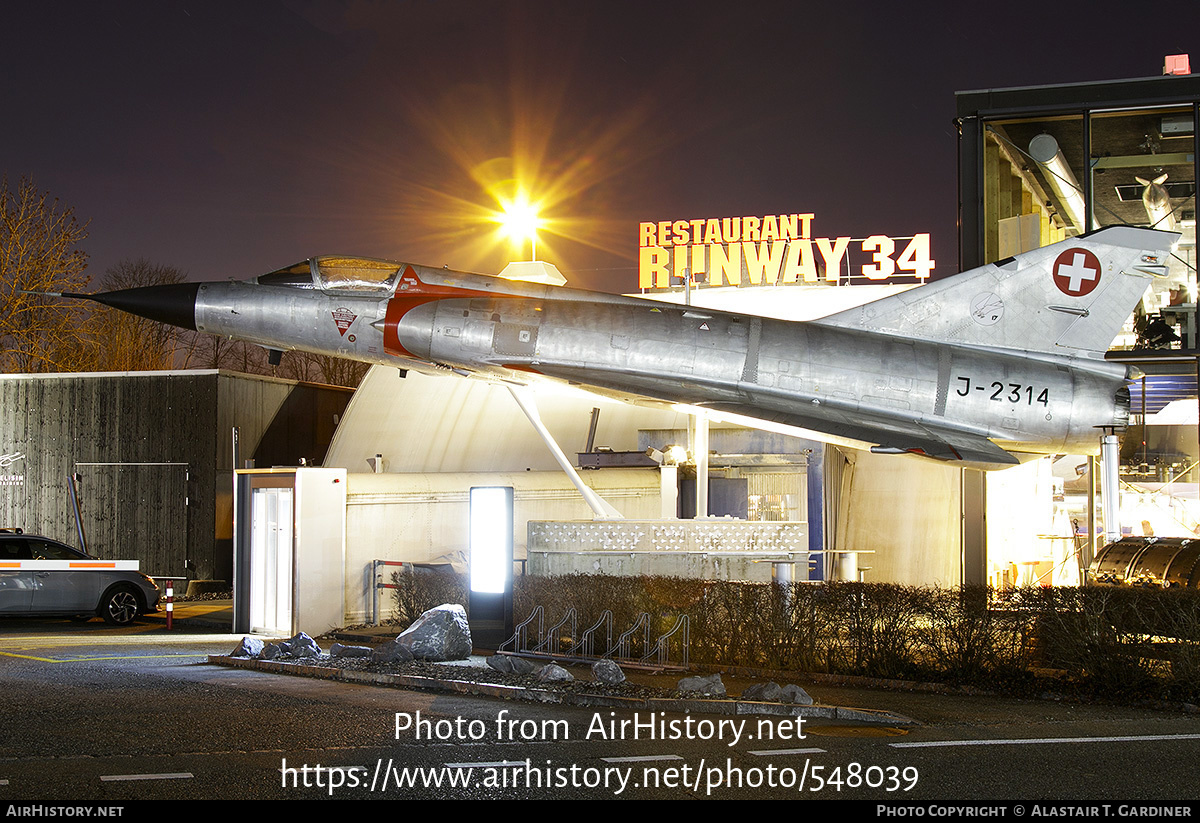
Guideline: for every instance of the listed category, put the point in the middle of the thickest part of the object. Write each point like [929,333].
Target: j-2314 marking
[1014,394]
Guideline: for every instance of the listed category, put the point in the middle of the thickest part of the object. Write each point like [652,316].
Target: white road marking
[769,752]
[495,764]
[164,776]
[645,759]
[1041,740]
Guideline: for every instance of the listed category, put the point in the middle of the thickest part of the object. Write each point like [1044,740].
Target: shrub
[419,590]
[1108,640]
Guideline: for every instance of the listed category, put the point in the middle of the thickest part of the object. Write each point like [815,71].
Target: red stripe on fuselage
[410,293]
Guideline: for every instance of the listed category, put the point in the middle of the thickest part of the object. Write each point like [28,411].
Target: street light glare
[521,222]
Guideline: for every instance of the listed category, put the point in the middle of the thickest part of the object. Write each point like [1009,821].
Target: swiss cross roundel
[1076,272]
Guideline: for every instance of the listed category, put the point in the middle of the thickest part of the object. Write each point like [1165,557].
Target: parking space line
[650,758]
[88,659]
[165,776]
[770,752]
[29,657]
[127,657]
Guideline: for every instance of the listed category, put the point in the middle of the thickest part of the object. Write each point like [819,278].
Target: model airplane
[1157,201]
[981,367]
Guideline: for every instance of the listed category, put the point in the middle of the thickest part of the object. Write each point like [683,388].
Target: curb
[534,695]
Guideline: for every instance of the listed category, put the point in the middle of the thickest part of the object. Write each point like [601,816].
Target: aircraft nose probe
[174,303]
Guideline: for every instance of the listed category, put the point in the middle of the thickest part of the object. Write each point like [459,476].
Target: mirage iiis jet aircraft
[982,367]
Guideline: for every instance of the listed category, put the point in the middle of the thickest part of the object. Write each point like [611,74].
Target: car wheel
[120,606]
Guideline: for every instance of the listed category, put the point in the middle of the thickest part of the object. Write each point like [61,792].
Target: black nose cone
[174,304]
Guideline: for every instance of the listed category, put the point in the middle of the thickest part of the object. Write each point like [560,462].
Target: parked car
[40,576]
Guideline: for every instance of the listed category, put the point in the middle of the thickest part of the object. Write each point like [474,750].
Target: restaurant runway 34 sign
[772,250]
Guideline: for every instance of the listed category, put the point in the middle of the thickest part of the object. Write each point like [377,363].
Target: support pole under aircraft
[1085,562]
[668,483]
[599,506]
[700,456]
[1110,495]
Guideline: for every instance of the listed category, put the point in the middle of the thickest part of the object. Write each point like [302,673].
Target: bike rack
[661,646]
[538,614]
[585,642]
[554,637]
[624,641]
[549,642]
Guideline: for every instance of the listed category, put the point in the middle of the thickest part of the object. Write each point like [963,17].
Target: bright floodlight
[521,222]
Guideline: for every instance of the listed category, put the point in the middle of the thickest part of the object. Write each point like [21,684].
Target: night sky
[230,139]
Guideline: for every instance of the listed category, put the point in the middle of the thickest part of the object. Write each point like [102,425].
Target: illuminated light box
[491,546]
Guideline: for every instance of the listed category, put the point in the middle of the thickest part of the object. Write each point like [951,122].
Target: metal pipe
[71,478]
[170,606]
[591,440]
[376,585]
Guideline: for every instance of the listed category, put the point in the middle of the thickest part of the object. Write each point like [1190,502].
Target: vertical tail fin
[1071,297]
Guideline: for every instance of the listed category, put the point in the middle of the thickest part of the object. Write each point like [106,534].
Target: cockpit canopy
[356,275]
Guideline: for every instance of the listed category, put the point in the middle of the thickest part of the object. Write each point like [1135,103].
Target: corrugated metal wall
[152,451]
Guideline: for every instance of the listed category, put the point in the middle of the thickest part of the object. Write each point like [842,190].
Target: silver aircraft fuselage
[998,360]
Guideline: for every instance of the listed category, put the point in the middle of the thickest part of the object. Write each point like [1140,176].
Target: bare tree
[216,352]
[38,238]
[323,368]
[127,342]
[338,371]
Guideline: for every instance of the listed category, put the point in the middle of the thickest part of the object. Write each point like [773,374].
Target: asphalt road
[94,714]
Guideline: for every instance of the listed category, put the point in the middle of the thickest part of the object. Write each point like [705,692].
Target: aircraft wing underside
[886,432]
[888,435]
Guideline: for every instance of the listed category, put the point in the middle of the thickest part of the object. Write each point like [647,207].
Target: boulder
[606,671]
[439,634]
[770,692]
[338,650]
[791,693]
[709,686]
[249,647]
[554,673]
[522,666]
[501,663]
[392,651]
[302,646]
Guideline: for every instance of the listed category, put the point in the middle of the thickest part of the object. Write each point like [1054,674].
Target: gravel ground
[486,674]
[196,598]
